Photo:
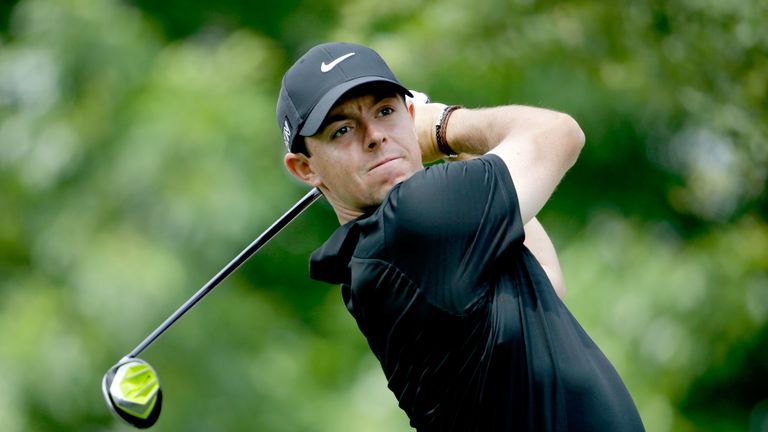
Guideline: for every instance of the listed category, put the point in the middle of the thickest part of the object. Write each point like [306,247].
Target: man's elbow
[573,138]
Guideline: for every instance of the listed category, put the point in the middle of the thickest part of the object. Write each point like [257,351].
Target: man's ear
[298,165]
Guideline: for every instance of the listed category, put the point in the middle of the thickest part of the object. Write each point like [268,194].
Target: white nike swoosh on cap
[327,67]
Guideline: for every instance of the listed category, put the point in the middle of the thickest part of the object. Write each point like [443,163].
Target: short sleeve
[449,226]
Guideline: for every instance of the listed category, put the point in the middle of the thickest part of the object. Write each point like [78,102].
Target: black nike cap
[318,79]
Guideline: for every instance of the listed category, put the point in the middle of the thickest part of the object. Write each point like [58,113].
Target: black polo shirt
[468,329]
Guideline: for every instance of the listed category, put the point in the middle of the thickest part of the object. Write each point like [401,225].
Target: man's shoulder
[440,179]
[440,190]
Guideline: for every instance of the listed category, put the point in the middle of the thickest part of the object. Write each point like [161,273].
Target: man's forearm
[477,131]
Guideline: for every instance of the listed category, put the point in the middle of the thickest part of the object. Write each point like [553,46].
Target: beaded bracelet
[441,131]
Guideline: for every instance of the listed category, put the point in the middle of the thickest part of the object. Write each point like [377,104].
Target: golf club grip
[242,257]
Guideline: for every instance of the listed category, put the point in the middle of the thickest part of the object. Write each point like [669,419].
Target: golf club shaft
[260,241]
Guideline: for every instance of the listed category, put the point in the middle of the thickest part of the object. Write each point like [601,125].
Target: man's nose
[374,136]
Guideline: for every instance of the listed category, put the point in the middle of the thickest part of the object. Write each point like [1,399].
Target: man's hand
[425,128]
[426,116]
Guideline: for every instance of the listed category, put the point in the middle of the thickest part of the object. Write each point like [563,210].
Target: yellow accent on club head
[135,388]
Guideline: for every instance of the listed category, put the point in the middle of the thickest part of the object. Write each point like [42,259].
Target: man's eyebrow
[381,96]
[333,118]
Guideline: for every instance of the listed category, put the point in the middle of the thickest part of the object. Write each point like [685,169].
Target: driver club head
[132,391]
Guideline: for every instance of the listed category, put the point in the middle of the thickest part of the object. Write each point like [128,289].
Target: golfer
[446,270]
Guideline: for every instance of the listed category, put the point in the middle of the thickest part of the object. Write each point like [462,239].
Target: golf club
[131,387]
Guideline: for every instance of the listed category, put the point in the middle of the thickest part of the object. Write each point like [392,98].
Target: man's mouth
[383,161]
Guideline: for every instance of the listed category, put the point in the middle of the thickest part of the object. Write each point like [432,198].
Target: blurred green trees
[139,153]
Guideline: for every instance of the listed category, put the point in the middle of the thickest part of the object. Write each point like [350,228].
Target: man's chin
[396,179]
[393,172]
[386,182]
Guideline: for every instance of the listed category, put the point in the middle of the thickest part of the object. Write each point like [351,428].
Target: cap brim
[316,117]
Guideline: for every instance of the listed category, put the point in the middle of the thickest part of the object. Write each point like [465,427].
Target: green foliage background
[139,153]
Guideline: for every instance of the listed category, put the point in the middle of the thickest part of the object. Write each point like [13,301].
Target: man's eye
[341,131]
[387,111]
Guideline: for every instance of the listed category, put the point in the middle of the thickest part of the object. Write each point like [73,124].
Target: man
[446,270]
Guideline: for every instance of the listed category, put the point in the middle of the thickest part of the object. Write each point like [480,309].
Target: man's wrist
[441,131]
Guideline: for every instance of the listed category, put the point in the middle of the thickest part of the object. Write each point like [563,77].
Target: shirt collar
[330,263]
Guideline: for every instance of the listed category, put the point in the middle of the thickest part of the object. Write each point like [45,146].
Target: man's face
[366,145]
